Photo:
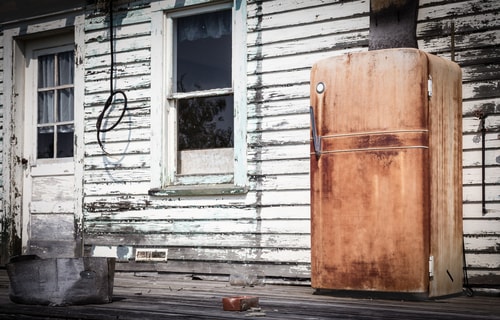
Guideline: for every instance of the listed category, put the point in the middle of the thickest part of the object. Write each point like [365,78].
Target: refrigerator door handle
[315,138]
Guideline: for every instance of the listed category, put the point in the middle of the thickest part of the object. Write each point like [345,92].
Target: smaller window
[55,109]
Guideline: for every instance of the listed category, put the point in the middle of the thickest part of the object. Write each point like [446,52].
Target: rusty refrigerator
[386,173]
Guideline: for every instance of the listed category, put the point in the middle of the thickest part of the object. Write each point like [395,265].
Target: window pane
[46,107]
[46,71]
[45,148]
[205,123]
[65,67]
[204,51]
[65,141]
[65,105]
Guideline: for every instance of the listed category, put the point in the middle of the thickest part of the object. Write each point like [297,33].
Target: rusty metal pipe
[483,162]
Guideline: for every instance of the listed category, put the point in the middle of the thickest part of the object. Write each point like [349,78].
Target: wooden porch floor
[176,297]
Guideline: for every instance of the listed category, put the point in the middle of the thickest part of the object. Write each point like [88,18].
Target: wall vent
[148,254]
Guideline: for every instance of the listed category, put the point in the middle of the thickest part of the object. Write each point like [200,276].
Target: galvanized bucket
[61,281]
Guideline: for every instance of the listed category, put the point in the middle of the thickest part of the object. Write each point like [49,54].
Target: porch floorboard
[163,296]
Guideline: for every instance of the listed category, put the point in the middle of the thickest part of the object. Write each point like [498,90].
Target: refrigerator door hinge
[431,267]
[429,86]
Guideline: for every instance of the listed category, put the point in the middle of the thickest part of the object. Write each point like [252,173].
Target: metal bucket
[61,281]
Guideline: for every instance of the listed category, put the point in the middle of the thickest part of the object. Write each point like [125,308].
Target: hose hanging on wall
[113,92]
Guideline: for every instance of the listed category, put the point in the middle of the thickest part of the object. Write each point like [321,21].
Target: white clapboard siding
[241,226]
[278,108]
[438,9]
[473,193]
[282,122]
[225,240]
[117,188]
[472,175]
[115,161]
[301,12]
[469,107]
[483,243]
[282,152]
[134,94]
[293,62]
[271,167]
[125,175]
[287,77]
[276,93]
[469,33]
[121,58]
[280,182]
[266,229]
[473,157]
[473,125]
[482,261]
[307,45]
[474,210]
[278,137]
[144,211]
[125,131]
[130,69]
[314,29]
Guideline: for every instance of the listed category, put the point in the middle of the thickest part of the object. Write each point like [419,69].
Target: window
[203,94]
[201,105]
[55,109]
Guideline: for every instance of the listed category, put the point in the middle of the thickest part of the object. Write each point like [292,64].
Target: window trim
[163,115]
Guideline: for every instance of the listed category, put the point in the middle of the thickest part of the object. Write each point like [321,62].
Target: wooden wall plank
[143,211]
[309,14]
[225,240]
[208,227]
[474,210]
[52,226]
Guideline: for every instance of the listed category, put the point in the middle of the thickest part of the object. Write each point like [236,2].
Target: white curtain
[65,110]
[65,62]
[47,79]
[46,71]
[202,26]
[65,67]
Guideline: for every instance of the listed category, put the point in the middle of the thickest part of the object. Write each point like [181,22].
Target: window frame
[33,48]
[165,180]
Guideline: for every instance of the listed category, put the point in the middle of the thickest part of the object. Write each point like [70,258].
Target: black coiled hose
[111,97]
